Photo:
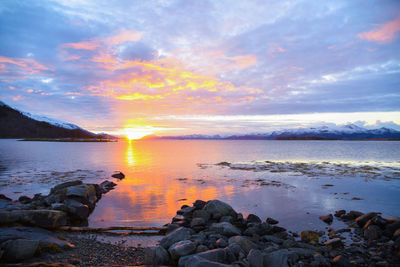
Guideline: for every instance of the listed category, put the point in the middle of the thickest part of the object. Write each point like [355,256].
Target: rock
[156,256]
[278,229]
[24,199]
[182,248]
[363,219]
[41,218]
[201,214]
[118,175]
[341,261]
[309,236]
[228,219]
[355,214]
[271,238]
[259,229]
[327,218]
[271,221]
[3,197]
[280,258]
[64,185]
[197,222]
[252,218]
[339,213]
[221,243]
[201,248]
[396,234]
[106,186]
[244,242]
[86,193]
[218,208]
[390,228]
[77,210]
[20,249]
[255,258]
[225,228]
[288,243]
[334,243]
[217,255]
[199,204]
[372,232]
[197,261]
[171,227]
[175,236]
[377,220]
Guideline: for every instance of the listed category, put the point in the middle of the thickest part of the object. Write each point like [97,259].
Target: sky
[207,67]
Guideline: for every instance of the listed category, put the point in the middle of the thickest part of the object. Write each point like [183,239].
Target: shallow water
[303,179]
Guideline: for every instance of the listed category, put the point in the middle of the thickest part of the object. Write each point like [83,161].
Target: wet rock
[175,236]
[355,214]
[271,238]
[221,243]
[197,222]
[228,219]
[372,232]
[118,175]
[197,261]
[156,256]
[106,186]
[255,258]
[252,218]
[217,208]
[270,220]
[24,199]
[339,213]
[377,220]
[280,258]
[327,218]
[77,210]
[278,229]
[363,219]
[182,248]
[62,186]
[341,261]
[396,234]
[201,248]
[225,228]
[309,236]
[86,193]
[199,204]
[19,249]
[391,228]
[41,218]
[245,243]
[334,243]
[259,229]
[201,214]
[3,197]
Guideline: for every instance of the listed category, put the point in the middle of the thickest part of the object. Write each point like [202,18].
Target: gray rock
[221,243]
[20,249]
[201,214]
[156,256]
[86,192]
[41,218]
[199,204]
[255,258]
[171,227]
[252,218]
[228,219]
[259,229]
[372,232]
[24,199]
[77,209]
[363,219]
[64,185]
[271,221]
[341,261]
[175,236]
[196,261]
[217,255]
[197,222]
[271,238]
[278,258]
[303,252]
[327,218]
[59,206]
[182,248]
[244,242]
[118,175]
[225,228]
[201,248]
[288,243]
[218,208]
[334,243]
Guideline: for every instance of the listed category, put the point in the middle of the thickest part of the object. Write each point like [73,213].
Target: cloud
[17,67]
[386,33]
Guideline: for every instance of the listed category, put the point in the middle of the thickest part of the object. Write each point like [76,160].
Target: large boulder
[85,193]
[244,242]
[197,261]
[214,255]
[255,258]
[179,234]
[225,228]
[280,258]
[62,186]
[218,208]
[363,219]
[156,256]
[41,218]
[76,209]
[19,249]
[309,236]
[182,248]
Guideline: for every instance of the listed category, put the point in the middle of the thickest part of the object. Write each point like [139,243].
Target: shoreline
[205,232]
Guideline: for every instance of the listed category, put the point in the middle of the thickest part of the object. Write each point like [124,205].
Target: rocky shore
[208,233]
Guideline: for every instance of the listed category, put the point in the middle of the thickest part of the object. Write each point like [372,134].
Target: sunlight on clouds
[384,34]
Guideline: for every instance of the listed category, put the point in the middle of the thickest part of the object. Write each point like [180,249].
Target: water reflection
[130,156]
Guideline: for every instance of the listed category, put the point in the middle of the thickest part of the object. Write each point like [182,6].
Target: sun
[133,133]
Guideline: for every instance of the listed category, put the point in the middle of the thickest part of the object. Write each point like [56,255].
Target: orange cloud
[384,34]
[123,36]
[90,45]
[15,67]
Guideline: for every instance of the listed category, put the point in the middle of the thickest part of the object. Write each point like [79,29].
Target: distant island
[21,125]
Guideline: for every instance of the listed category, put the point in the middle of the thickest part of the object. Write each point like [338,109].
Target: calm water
[163,175]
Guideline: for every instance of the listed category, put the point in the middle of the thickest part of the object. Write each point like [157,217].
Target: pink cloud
[89,45]
[17,67]
[384,34]
[123,36]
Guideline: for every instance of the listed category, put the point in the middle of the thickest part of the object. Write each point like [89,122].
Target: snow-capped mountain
[19,124]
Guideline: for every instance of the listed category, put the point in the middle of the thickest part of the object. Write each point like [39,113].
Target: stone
[197,222]
[156,256]
[259,229]
[171,227]
[272,221]
[355,214]
[255,258]
[252,218]
[179,234]
[327,218]
[244,242]
[218,208]
[182,248]
[106,186]
[280,258]
[118,175]
[59,206]
[199,204]
[201,248]
[341,261]
[86,193]
[228,219]
[334,243]
[278,229]
[225,228]
[3,197]
[24,199]
[64,185]
[309,236]
[339,213]
[201,214]
[41,218]
[20,249]
[221,243]
[197,261]
[217,255]
[77,210]
[271,238]
[363,219]
[372,232]
[396,234]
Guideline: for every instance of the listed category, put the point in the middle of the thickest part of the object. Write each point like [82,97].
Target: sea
[293,182]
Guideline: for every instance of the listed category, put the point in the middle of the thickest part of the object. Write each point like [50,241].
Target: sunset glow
[137,133]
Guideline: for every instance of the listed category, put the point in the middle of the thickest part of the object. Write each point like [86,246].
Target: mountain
[17,124]
[346,132]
